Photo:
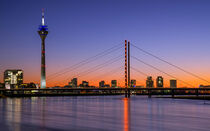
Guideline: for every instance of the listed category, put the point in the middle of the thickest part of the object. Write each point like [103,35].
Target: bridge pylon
[127,69]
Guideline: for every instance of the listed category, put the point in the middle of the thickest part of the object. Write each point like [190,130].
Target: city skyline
[91,65]
[183,40]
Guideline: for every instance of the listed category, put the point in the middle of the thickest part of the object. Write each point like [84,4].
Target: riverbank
[189,97]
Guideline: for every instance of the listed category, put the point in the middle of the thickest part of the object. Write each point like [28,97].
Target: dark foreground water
[103,113]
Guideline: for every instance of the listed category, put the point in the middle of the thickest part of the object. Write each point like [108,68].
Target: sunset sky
[177,31]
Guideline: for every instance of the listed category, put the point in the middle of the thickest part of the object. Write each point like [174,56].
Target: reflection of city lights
[13,113]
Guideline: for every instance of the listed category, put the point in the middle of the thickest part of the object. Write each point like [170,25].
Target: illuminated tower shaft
[43,65]
[43,34]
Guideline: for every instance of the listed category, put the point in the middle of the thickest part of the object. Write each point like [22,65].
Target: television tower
[43,31]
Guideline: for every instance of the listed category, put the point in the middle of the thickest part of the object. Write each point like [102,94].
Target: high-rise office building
[43,31]
[159,81]
[102,84]
[14,78]
[73,82]
[114,83]
[173,83]
[149,82]
[133,83]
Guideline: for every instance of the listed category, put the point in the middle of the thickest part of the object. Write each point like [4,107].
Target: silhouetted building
[149,82]
[28,85]
[114,83]
[13,78]
[173,83]
[102,84]
[204,86]
[73,82]
[133,83]
[138,86]
[70,84]
[159,81]
[84,84]
[107,86]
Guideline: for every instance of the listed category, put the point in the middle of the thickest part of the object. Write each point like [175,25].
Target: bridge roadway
[103,91]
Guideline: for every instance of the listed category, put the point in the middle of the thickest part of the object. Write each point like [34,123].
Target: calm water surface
[103,113]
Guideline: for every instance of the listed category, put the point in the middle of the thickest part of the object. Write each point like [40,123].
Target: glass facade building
[14,78]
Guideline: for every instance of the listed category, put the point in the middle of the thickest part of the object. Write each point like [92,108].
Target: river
[93,113]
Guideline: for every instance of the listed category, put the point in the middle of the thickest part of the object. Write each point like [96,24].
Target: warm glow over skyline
[105,65]
[176,31]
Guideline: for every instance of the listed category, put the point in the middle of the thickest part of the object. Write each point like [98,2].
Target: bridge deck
[103,91]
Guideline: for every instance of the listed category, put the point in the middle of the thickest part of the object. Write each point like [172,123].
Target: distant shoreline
[188,97]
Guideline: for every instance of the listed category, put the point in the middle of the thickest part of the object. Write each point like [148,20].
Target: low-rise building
[102,84]
[84,84]
[204,86]
[173,83]
[28,85]
[114,83]
[133,83]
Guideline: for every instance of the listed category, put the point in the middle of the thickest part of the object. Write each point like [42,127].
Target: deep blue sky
[176,30]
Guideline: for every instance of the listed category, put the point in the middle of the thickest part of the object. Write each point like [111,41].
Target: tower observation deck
[43,31]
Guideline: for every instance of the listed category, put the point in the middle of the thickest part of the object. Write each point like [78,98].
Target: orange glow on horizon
[109,74]
[120,82]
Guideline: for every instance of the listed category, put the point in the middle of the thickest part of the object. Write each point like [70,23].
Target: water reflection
[102,113]
[155,112]
[13,113]
[43,113]
[126,102]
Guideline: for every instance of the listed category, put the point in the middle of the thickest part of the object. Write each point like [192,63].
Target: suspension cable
[192,74]
[82,63]
[139,71]
[97,67]
[160,70]
[116,72]
[108,73]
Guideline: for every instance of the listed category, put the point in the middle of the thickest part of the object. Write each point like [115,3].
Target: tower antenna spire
[42,16]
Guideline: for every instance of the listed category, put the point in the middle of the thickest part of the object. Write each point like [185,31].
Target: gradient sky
[176,30]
